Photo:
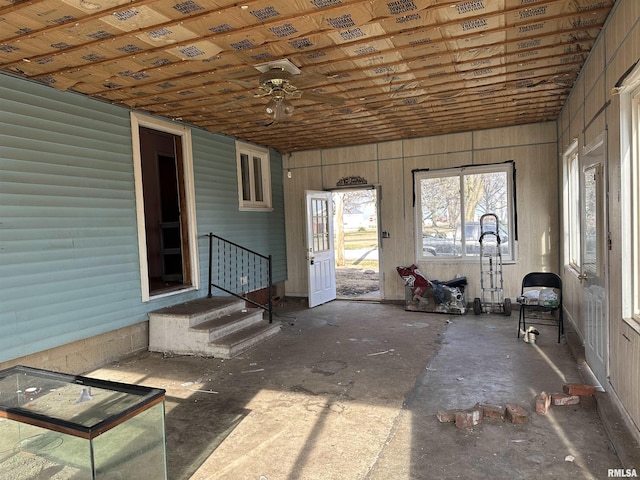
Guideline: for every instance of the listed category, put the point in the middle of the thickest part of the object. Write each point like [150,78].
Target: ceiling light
[279,108]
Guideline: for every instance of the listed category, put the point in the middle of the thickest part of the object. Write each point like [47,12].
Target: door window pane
[320,224]
[592,230]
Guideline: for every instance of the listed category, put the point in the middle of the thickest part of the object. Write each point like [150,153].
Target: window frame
[635,206]
[631,215]
[629,105]
[507,168]
[253,153]
[572,208]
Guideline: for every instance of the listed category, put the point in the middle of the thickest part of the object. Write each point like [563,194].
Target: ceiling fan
[280,80]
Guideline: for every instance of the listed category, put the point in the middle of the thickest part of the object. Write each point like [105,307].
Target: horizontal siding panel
[49,162]
[63,269]
[65,250]
[28,194]
[57,109]
[65,212]
[90,303]
[79,137]
[68,258]
[61,169]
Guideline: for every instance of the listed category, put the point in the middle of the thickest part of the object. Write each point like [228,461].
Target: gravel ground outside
[353,282]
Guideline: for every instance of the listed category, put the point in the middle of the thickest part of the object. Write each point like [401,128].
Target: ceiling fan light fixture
[279,108]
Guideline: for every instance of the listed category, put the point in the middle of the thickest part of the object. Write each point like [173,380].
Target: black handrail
[239,271]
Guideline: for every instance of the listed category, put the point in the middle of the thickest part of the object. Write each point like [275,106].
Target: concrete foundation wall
[84,355]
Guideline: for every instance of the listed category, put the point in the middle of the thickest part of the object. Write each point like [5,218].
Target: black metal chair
[538,281]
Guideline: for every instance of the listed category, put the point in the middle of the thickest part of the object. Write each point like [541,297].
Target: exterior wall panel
[616,50]
[69,259]
[534,149]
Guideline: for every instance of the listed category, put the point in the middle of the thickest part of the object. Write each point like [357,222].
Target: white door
[320,261]
[594,259]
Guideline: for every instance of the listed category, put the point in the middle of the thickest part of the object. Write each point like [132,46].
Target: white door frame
[377,190]
[594,261]
[137,121]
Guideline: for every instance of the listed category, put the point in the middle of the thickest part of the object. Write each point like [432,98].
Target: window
[630,196]
[635,208]
[449,207]
[572,206]
[254,178]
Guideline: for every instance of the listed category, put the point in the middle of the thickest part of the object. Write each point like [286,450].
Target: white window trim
[630,198]
[629,103]
[635,210]
[263,154]
[184,133]
[568,219]
[508,168]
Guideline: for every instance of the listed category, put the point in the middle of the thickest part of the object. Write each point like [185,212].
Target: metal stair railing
[238,271]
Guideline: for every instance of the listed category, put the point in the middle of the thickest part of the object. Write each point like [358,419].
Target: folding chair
[537,281]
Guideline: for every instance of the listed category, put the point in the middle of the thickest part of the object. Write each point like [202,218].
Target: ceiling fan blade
[306,79]
[242,83]
[322,97]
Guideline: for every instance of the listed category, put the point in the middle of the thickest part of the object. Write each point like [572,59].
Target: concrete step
[200,310]
[238,342]
[219,327]
[226,324]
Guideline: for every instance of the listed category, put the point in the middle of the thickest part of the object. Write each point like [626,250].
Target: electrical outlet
[244,280]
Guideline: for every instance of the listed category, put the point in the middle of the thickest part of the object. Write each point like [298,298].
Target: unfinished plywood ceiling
[332,72]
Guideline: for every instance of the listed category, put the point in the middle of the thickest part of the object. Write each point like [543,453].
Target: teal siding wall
[216,186]
[69,265]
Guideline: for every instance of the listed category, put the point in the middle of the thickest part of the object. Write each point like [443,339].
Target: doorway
[165,207]
[168,266]
[357,241]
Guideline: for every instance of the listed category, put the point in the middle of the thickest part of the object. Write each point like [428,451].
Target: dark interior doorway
[165,223]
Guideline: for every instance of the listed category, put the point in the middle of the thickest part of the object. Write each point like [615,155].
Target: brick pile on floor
[473,416]
[572,394]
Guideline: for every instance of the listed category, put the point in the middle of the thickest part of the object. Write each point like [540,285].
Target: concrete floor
[350,390]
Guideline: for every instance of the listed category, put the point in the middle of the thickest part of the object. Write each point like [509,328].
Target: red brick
[562,399]
[515,413]
[492,411]
[469,418]
[579,389]
[543,402]
[447,416]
